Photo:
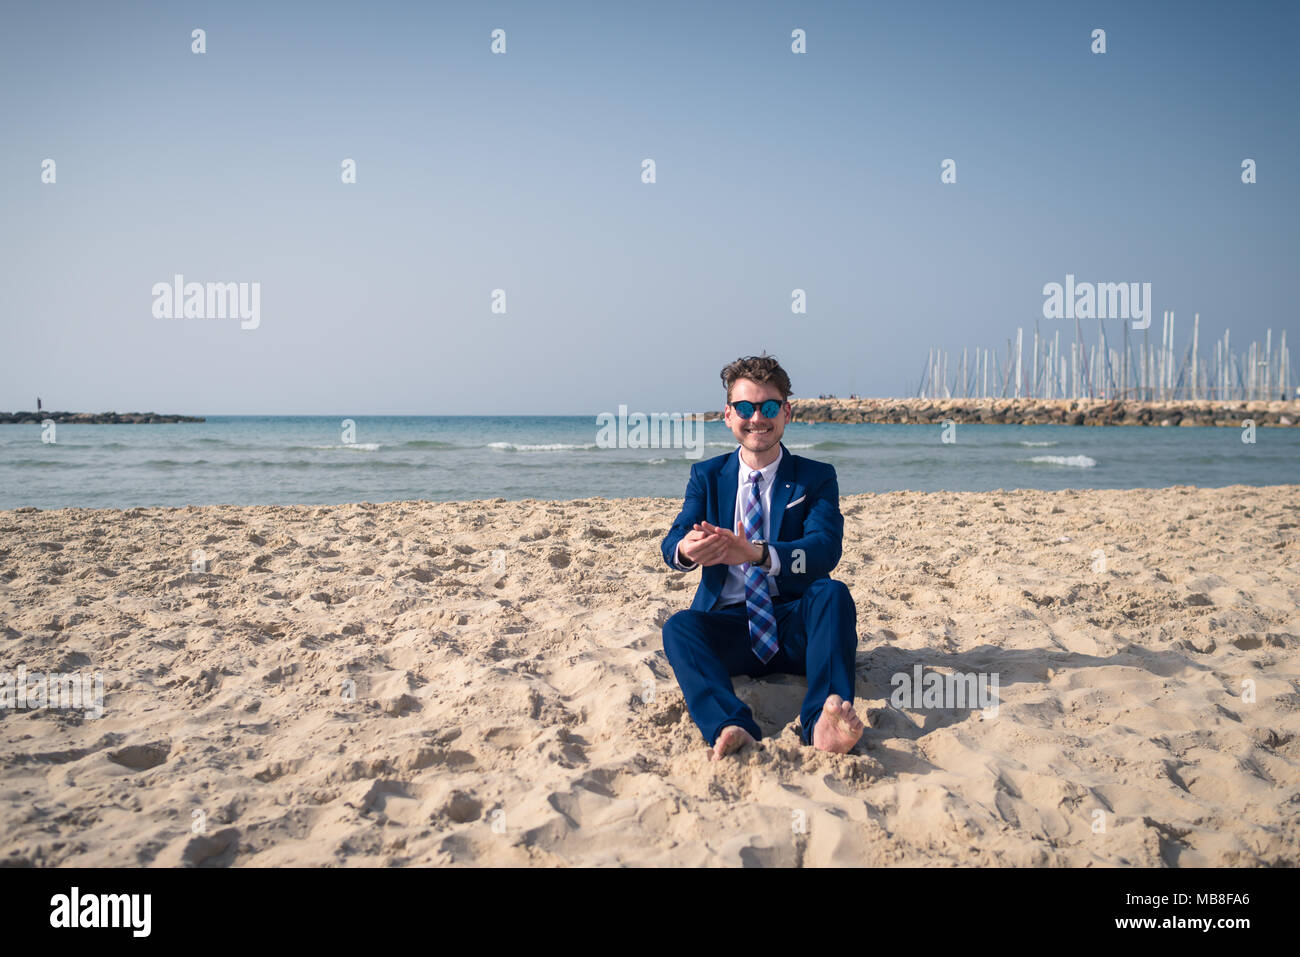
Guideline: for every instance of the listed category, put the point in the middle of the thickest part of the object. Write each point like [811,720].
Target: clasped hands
[709,544]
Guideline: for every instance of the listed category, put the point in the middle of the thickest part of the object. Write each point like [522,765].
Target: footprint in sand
[141,757]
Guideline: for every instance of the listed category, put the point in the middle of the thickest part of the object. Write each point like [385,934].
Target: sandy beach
[484,683]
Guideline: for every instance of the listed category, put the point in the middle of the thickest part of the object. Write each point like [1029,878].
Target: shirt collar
[766,472]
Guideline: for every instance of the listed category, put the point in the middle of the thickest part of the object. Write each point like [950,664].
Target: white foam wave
[1065,461]
[352,446]
[550,447]
[1038,445]
[732,445]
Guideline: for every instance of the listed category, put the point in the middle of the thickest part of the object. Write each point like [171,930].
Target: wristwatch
[762,562]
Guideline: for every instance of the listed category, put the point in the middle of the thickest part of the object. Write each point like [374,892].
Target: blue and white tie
[758,602]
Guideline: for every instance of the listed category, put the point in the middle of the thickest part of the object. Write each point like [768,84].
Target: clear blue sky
[522,172]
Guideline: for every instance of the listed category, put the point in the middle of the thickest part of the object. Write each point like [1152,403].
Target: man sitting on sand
[766,602]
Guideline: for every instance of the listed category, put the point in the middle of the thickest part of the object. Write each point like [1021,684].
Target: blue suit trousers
[817,636]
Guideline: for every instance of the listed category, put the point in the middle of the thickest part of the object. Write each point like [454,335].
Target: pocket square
[796,501]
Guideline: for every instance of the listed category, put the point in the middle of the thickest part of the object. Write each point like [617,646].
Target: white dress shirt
[733,590]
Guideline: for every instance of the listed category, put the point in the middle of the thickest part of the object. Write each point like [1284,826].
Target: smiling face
[758,436]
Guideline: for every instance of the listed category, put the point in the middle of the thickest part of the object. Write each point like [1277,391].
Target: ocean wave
[352,446]
[788,445]
[96,446]
[45,464]
[1035,445]
[345,463]
[549,447]
[1064,461]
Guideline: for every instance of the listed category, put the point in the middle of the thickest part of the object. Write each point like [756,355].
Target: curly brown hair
[761,369]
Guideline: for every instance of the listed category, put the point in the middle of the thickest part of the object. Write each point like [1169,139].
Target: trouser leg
[705,648]
[818,637]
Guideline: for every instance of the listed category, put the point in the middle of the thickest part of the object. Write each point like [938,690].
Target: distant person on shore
[766,603]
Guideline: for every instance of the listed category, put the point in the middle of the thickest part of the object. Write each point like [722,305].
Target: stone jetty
[94,418]
[1186,412]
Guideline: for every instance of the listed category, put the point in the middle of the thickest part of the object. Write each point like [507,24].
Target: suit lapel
[715,576]
[782,489]
[728,478]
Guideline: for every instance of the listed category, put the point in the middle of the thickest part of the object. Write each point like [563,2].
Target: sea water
[260,460]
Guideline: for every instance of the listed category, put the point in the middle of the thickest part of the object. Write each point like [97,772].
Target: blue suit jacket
[805,519]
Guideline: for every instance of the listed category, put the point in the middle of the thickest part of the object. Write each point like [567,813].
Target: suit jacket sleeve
[693,510]
[822,540]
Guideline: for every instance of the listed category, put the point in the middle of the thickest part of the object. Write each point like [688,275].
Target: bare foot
[838,728]
[731,738]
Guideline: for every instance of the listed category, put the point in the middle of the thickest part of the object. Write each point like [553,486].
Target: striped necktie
[758,602]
